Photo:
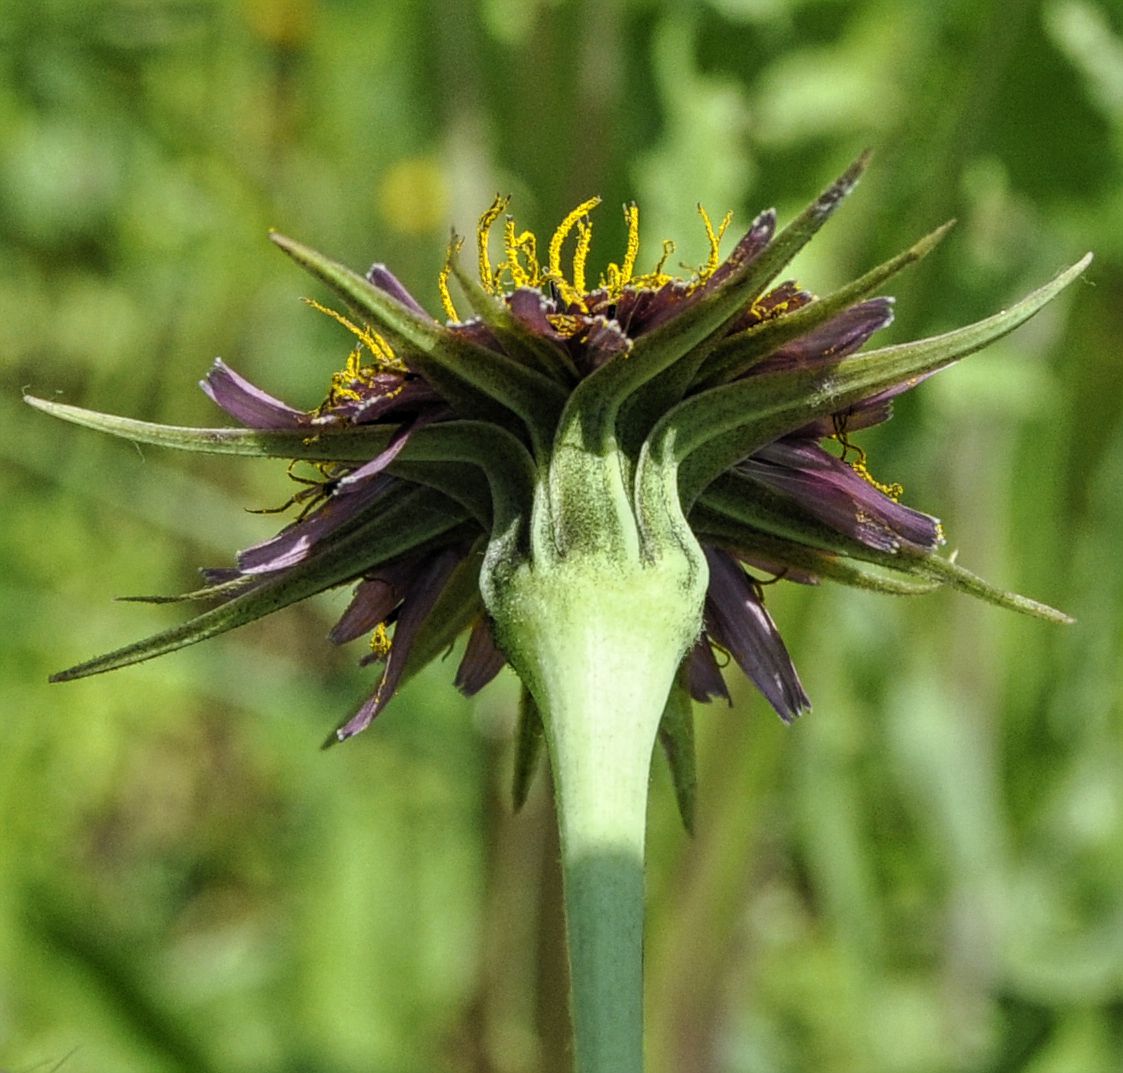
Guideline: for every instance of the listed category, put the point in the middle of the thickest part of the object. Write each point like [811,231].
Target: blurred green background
[923,875]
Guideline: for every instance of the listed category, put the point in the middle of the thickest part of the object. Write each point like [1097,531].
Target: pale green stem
[599,644]
[600,736]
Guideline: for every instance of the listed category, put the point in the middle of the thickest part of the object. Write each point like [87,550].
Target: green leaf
[720,529]
[751,504]
[725,424]
[528,748]
[589,482]
[414,519]
[503,459]
[313,443]
[676,735]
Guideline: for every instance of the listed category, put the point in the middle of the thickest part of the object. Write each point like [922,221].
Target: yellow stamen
[559,237]
[516,245]
[581,254]
[631,215]
[380,643]
[565,323]
[455,244]
[860,465]
[380,350]
[714,238]
[483,231]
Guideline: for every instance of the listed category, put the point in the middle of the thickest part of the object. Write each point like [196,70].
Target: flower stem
[600,749]
[598,645]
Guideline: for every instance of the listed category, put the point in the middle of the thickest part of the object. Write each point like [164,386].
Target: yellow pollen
[581,254]
[483,232]
[380,350]
[631,215]
[524,244]
[455,244]
[893,491]
[860,465]
[554,269]
[714,238]
[617,277]
[380,643]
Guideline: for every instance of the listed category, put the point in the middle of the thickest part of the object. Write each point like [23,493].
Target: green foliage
[920,876]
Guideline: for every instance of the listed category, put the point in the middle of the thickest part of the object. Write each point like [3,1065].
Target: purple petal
[604,340]
[841,335]
[373,600]
[529,306]
[482,660]
[297,542]
[704,675]
[357,478]
[638,310]
[751,245]
[376,403]
[385,280]
[828,489]
[246,403]
[423,594]
[736,619]
[781,300]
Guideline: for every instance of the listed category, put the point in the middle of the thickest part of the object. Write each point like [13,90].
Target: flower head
[563,419]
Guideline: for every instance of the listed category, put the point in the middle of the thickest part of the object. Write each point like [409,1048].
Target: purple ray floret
[246,403]
[736,619]
[828,489]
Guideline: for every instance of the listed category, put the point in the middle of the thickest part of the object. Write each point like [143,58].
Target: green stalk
[598,645]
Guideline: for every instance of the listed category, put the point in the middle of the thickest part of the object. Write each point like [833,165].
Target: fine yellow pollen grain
[581,254]
[523,245]
[455,244]
[860,465]
[562,233]
[380,643]
[714,238]
[380,350]
[631,217]
[483,232]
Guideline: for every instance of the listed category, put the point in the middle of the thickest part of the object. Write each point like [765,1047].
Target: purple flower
[439,449]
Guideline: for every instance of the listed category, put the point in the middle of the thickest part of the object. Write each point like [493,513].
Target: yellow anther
[565,323]
[893,491]
[516,246]
[859,465]
[631,215]
[455,244]
[380,350]
[581,254]
[380,643]
[483,231]
[617,277]
[562,233]
[714,238]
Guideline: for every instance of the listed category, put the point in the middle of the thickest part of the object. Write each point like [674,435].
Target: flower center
[521,266]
